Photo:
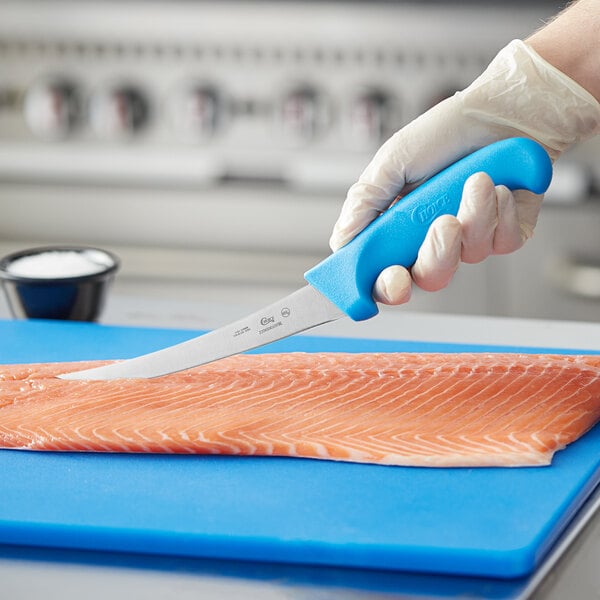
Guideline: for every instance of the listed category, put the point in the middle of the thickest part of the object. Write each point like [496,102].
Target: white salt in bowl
[58,282]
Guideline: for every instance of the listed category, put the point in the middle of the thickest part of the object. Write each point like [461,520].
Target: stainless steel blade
[302,310]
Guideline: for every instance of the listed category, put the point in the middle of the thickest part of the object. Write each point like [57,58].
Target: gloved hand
[519,94]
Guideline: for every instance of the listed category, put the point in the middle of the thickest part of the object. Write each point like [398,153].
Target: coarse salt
[56,264]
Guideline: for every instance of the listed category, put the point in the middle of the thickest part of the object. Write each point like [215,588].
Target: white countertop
[391,323]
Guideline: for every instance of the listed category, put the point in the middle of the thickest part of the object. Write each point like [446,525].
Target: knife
[341,285]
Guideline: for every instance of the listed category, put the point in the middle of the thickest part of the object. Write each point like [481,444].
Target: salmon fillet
[435,410]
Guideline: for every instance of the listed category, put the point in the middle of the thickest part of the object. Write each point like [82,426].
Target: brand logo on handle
[426,214]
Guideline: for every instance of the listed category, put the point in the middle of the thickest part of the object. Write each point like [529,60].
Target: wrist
[520,93]
[571,43]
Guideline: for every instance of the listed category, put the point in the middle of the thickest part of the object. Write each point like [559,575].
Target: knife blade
[341,285]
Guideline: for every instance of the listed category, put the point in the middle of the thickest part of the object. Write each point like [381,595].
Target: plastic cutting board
[487,522]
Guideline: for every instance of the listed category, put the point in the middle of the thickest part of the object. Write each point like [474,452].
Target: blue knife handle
[347,276]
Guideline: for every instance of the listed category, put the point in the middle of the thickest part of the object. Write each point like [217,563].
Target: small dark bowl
[74,298]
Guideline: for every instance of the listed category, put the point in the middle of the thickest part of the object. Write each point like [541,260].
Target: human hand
[519,94]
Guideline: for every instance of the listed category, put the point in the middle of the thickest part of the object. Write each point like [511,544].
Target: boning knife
[341,285]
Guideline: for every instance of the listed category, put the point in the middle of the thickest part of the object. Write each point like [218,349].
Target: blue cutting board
[486,522]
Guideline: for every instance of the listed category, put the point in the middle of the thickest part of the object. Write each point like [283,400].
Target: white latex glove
[518,95]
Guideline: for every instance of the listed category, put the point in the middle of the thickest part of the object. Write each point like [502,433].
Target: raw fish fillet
[435,410]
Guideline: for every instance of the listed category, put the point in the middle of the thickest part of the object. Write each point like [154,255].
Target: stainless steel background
[210,144]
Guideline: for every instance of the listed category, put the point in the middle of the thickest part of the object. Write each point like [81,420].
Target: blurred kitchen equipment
[58,282]
[182,116]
